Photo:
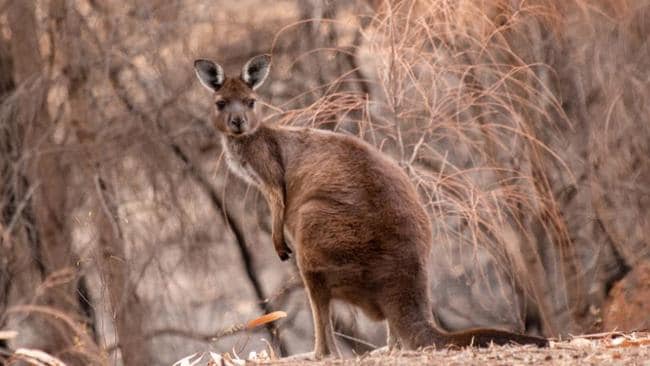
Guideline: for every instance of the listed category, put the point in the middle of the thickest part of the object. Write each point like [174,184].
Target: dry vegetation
[619,351]
[524,124]
[605,348]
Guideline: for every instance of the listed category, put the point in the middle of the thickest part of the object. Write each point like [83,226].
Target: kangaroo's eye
[221,104]
[250,103]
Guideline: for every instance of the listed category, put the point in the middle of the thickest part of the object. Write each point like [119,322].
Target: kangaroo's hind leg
[392,341]
[320,299]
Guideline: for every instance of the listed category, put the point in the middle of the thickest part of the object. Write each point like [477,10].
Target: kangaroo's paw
[284,252]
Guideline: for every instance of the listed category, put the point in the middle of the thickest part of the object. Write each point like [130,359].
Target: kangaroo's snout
[237,123]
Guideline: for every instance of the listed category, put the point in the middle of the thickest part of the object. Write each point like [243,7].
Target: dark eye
[221,104]
[250,103]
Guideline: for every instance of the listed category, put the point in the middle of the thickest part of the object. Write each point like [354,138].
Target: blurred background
[124,240]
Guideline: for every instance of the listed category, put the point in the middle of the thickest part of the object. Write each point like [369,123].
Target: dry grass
[560,354]
[605,348]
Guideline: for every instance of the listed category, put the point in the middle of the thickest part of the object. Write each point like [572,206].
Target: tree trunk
[127,310]
[47,176]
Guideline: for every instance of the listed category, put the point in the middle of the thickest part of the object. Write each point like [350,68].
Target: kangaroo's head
[235,111]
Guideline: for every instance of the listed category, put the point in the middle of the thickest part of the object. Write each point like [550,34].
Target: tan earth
[597,349]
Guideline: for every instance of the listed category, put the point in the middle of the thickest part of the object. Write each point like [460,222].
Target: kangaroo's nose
[237,121]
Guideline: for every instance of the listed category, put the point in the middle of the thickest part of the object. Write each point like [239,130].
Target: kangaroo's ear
[209,73]
[256,70]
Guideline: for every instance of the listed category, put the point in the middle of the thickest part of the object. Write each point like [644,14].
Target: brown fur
[360,233]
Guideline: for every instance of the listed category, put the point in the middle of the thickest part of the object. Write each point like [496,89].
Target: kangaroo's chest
[238,162]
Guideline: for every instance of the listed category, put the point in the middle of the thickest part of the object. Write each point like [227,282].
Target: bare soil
[631,349]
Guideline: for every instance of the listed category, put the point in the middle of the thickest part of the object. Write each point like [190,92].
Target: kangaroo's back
[349,178]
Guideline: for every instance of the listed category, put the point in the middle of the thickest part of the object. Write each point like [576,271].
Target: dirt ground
[601,349]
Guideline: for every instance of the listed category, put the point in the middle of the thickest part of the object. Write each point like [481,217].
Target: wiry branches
[469,98]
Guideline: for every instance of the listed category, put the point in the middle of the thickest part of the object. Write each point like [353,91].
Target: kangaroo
[357,226]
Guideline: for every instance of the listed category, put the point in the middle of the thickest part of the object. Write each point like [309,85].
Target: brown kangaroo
[358,228]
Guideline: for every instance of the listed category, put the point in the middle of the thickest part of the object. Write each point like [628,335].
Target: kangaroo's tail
[484,337]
